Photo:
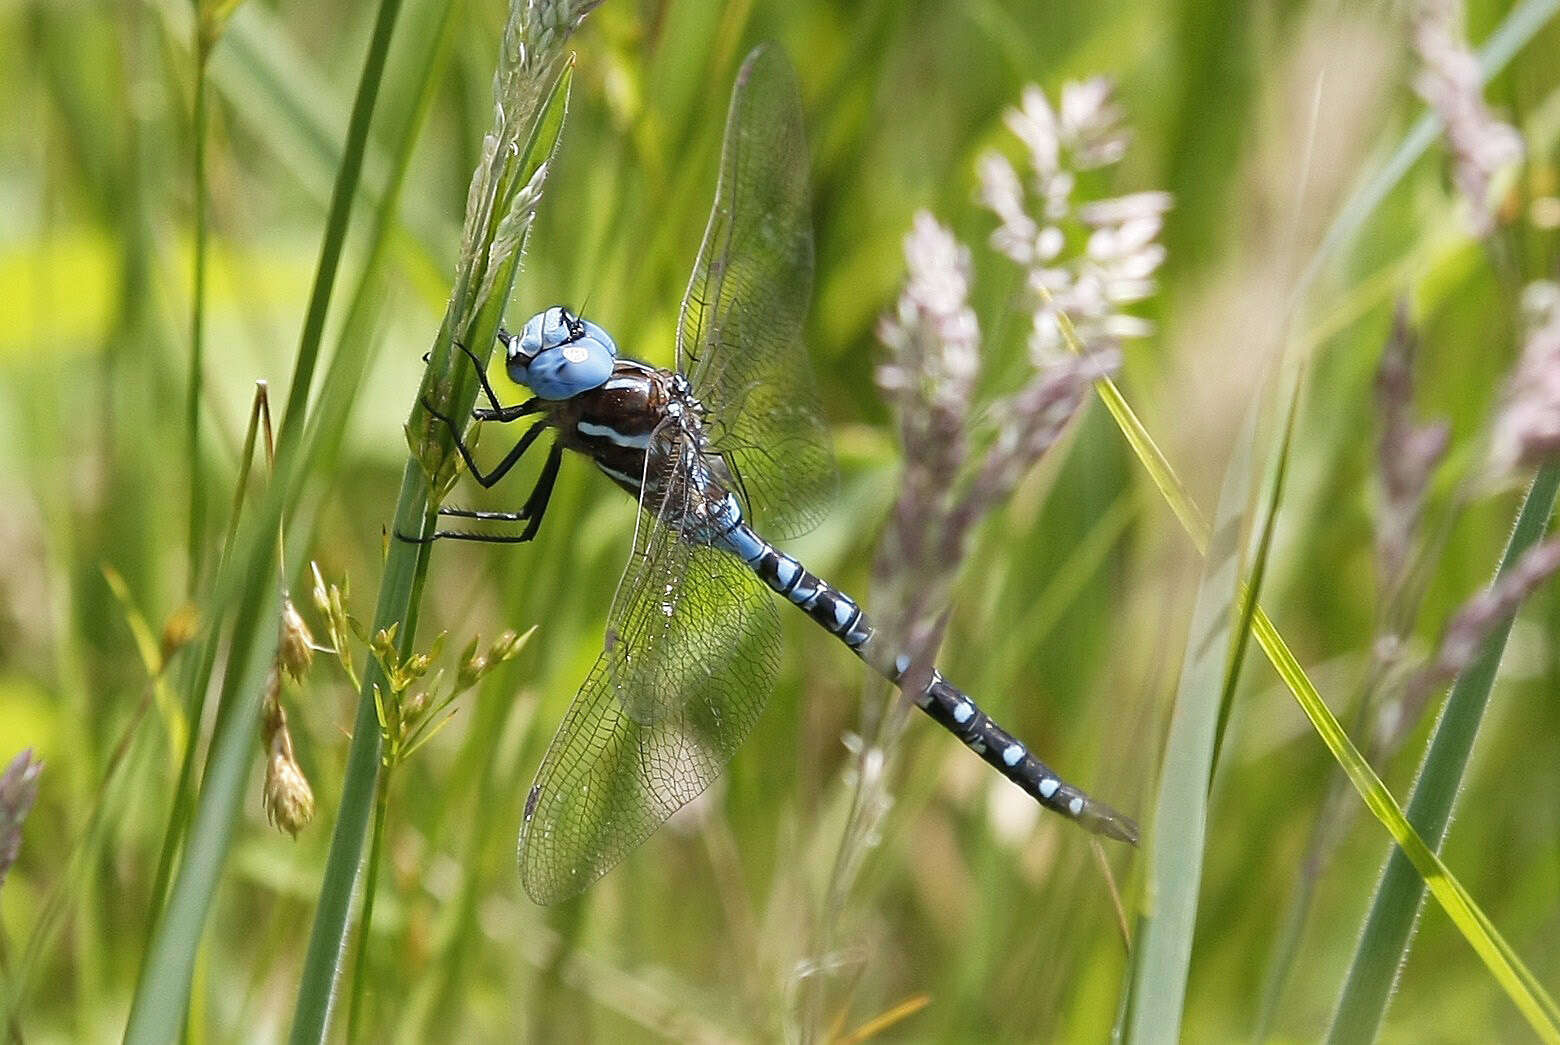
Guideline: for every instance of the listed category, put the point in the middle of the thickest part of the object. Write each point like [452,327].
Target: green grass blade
[336,222]
[375,858]
[1252,590]
[1163,950]
[162,995]
[1158,466]
[400,590]
[1520,25]
[355,343]
[328,939]
[195,681]
[1514,977]
[158,1012]
[1384,944]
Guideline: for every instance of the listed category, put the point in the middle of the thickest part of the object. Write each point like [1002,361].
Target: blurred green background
[1071,616]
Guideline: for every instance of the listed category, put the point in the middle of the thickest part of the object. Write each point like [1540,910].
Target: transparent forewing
[690,657]
[740,340]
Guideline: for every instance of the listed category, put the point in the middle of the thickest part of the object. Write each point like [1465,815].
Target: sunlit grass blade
[343,192]
[1162,953]
[158,1011]
[1384,944]
[1514,977]
[1525,990]
[1158,466]
[1257,569]
[1520,25]
[406,564]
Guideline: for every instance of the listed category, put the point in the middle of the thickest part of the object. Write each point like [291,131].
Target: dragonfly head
[558,355]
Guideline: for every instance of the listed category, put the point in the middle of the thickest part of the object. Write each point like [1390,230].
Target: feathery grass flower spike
[1090,259]
[933,339]
[1407,452]
[1526,430]
[18,792]
[1449,80]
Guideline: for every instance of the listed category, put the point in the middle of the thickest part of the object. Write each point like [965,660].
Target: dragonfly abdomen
[833,609]
[953,709]
[946,704]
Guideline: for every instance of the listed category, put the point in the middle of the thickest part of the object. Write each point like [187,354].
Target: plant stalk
[1389,929]
[197,508]
[375,855]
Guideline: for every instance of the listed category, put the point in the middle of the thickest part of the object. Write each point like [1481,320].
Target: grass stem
[1384,944]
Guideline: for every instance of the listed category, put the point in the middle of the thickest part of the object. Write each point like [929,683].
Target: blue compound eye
[559,373]
[544,330]
[600,336]
[559,355]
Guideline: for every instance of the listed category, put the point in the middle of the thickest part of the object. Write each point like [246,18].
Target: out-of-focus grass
[999,917]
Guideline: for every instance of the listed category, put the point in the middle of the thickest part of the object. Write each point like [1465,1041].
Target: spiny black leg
[487,479]
[535,508]
[541,493]
[476,364]
[510,459]
[462,535]
[475,538]
[486,516]
[505,414]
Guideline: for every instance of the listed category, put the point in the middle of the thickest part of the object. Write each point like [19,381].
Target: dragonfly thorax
[683,406]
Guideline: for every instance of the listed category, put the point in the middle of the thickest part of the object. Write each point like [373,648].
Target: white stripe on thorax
[612,435]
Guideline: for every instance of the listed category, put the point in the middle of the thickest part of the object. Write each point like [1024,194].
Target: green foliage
[147,858]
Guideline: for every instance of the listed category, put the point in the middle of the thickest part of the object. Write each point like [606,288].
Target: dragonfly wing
[689,660]
[740,338]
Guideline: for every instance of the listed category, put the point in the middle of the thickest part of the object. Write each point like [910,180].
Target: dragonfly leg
[541,493]
[487,479]
[499,411]
[487,389]
[535,505]
[505,414]
[531,513]
[464,535]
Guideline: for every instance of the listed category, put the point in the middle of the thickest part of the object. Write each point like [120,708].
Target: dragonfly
[728,440]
